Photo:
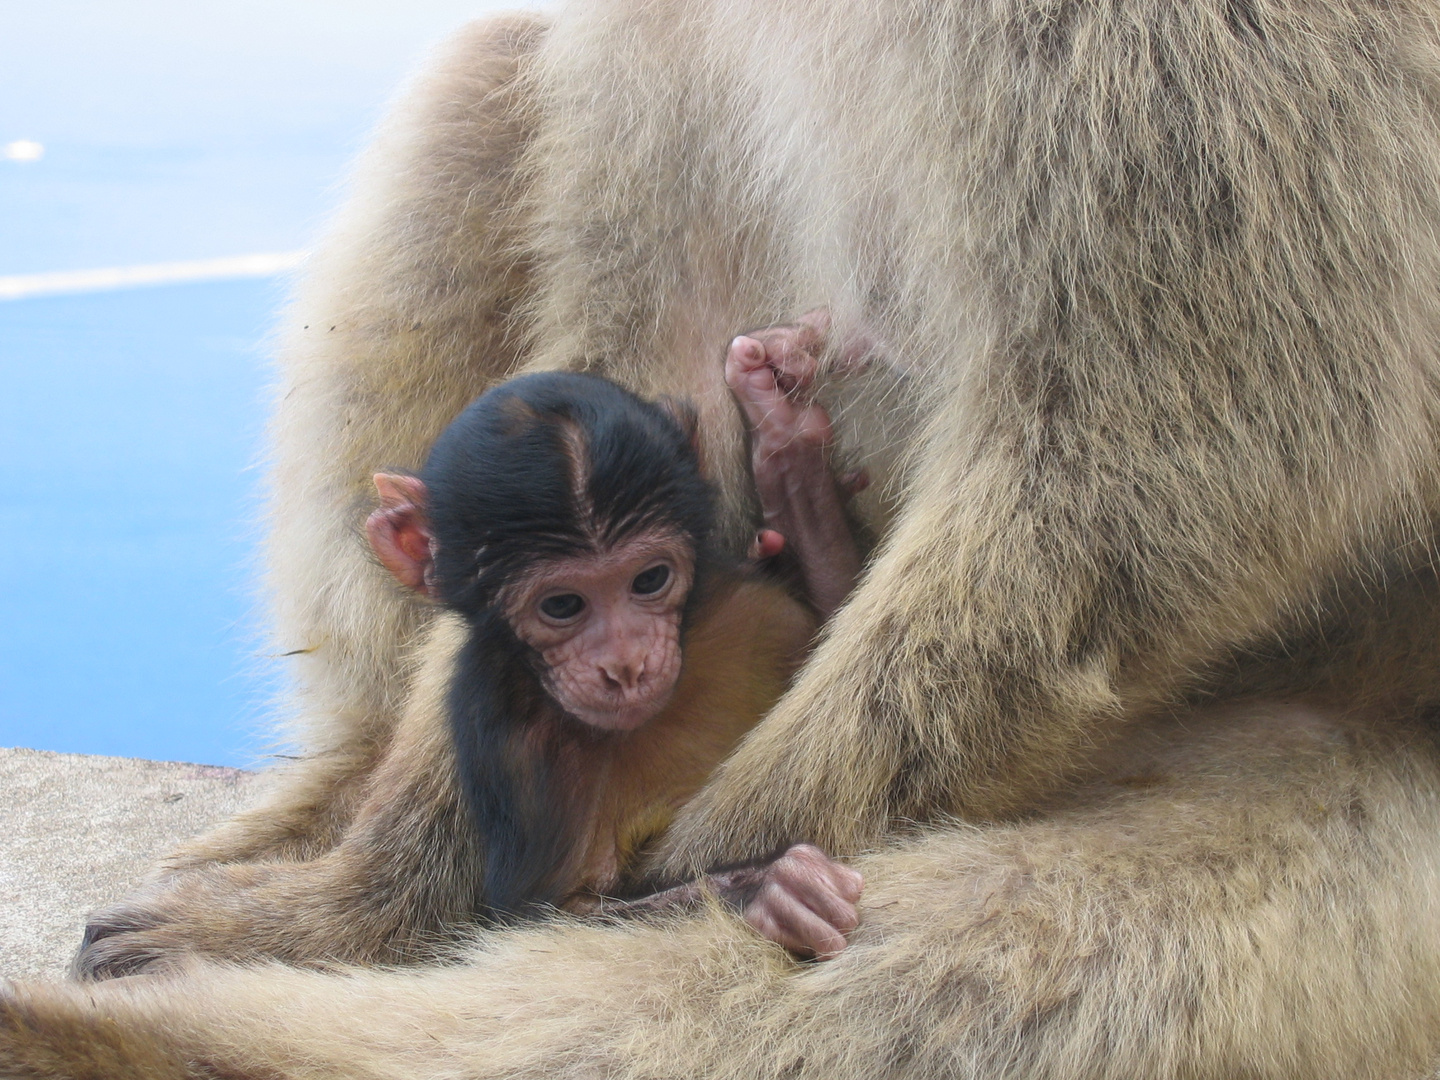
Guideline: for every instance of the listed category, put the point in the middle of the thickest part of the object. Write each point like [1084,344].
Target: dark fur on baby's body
[1161,283]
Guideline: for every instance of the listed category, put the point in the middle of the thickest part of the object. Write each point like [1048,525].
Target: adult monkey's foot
[772,373]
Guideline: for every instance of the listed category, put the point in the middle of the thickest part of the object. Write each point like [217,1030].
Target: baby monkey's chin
[619,715]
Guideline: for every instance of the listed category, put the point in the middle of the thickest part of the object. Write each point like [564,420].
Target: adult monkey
[1166,274]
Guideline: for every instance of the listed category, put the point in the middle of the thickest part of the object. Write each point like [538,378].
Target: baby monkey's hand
[803,899]
[772,372]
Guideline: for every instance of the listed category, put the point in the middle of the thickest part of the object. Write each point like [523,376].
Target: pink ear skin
[399,531]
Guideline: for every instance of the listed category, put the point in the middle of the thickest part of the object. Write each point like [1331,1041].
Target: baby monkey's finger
[768,543]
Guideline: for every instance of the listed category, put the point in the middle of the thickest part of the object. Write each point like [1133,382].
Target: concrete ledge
[77,831]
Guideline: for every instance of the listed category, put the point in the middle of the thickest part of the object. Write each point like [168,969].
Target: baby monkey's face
[607,626]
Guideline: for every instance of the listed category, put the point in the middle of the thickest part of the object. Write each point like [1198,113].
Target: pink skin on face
[607,633]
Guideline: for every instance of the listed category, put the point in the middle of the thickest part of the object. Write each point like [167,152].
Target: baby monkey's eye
[562,607]
[650,581]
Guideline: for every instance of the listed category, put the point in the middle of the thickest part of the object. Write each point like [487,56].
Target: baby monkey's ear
[399,531]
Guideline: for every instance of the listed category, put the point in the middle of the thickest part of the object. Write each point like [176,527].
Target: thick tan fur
[1159,279]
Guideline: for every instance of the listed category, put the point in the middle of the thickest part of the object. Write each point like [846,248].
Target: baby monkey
[612,658]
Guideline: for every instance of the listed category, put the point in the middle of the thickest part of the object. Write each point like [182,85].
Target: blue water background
[182,130]
[130,422]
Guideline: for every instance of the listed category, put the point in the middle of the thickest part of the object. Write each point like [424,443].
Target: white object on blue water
[24,150]
[21,286]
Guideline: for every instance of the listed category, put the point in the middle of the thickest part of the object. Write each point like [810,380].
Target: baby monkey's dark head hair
[550,465]
[565,519]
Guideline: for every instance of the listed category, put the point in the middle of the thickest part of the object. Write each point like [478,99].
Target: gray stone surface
[77,831]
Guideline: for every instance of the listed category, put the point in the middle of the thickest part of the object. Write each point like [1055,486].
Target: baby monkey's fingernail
[748,347]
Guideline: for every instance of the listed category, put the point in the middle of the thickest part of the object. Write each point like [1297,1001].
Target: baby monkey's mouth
[619,710]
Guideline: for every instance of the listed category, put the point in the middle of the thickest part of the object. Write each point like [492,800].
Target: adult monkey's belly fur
[1156,289]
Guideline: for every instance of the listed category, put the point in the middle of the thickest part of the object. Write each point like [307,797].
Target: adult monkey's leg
[1253,893]
[404,315]
[403,883]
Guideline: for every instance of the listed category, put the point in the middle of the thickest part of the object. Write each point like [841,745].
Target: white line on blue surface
[21,286]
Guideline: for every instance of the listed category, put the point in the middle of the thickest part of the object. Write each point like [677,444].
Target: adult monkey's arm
[1169,433]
